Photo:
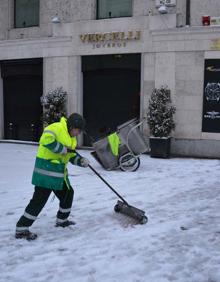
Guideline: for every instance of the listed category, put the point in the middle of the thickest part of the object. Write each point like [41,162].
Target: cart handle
[129,132]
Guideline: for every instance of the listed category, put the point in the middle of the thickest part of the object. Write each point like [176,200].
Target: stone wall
[80,10]
[203,7]
[1,111]
[189,68]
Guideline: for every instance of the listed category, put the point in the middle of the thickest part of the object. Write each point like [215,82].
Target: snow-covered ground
[181,241]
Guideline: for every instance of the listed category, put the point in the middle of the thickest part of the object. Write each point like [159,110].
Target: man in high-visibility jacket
[56,149]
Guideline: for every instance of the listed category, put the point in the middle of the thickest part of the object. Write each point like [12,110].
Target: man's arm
[49,140]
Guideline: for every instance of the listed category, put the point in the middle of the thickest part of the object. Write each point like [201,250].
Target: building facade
[109,55]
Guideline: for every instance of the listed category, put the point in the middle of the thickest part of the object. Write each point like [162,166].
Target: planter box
[160,147]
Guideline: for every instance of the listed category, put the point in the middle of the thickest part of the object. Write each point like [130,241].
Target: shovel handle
[96,172]
[108,185]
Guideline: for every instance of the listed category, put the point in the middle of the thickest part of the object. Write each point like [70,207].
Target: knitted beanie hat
[76,121]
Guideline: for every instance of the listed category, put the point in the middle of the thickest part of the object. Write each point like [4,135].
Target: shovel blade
[131,211]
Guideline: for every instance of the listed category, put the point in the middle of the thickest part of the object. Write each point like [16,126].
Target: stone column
[165,70]
[65,72]
[1,110]
[75,85]
[55,73]
[148,84]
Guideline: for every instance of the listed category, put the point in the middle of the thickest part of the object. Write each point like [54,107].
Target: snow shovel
[123,206]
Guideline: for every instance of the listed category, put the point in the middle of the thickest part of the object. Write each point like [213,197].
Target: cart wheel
[116,208]
[129,162]
[144,220]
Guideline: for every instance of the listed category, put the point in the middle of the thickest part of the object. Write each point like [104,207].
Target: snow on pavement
[181,241]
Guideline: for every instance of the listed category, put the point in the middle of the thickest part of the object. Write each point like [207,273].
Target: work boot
[65,223]
[26,234]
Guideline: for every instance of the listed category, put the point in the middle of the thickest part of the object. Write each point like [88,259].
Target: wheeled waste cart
[121,149]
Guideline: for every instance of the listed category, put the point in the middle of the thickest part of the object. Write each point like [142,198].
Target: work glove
[84,162]
[69,150]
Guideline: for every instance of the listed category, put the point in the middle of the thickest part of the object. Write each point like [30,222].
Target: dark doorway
[111,92]
[22,88]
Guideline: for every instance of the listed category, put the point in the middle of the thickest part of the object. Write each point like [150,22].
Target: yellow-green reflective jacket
[50,169]
[114,142]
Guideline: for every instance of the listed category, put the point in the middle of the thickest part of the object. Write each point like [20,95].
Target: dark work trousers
[39,200]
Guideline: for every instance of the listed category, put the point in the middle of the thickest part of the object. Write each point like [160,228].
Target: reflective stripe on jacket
[50,166]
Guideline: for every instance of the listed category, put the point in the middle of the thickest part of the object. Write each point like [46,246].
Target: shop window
[26,13]
[114,8]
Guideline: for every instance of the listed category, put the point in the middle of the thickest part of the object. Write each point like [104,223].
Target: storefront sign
[215,44]
[211,98]
[110,39]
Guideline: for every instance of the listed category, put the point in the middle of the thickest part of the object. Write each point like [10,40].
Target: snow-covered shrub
[54,105]
[160,113]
